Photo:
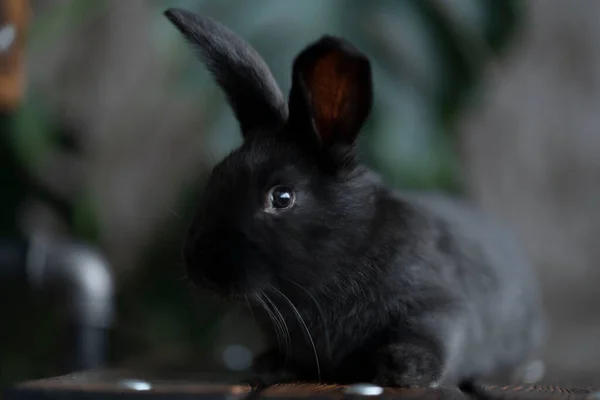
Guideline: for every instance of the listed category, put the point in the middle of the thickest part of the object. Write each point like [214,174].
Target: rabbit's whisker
[272,318]
[301,320]
[319,310]
[249,305]
[285,331]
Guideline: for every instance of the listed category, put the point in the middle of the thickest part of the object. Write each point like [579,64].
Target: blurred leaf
[31,133]
[85,224]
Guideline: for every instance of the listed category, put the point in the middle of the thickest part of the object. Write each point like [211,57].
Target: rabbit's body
[482,303]
[497,285]
[351,280]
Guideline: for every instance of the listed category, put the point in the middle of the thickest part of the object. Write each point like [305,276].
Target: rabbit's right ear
[239,70]
[331,93]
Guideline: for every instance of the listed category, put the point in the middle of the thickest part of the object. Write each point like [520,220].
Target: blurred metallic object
[81,273]
[14,23]
[82,278]
[362,389]
[135,384]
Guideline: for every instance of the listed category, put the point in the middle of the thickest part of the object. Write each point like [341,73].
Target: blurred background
[109,125]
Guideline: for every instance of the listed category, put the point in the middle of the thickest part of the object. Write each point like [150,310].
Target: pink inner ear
[330,83]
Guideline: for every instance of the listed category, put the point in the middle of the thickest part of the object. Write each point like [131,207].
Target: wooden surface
[126,385]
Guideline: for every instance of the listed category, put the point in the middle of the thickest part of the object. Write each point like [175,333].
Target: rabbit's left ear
[237,67]
[331,91]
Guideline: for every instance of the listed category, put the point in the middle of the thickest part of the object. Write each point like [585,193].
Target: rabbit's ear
[331,91]
[239,70]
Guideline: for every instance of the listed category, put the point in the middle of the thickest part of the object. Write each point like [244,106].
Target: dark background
[496,100]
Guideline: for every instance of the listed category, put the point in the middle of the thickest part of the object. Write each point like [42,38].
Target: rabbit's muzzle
[221,260]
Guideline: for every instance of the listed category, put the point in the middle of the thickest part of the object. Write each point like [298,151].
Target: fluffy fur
[354,281]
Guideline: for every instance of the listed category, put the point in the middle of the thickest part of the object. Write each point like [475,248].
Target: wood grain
[110,384]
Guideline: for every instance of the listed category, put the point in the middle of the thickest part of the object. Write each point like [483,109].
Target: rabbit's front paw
[409,365]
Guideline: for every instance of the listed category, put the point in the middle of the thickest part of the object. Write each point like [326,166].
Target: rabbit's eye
[281,197]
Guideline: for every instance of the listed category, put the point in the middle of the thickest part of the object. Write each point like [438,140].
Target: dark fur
[395,288]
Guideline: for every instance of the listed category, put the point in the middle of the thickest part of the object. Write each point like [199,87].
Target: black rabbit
[353,281]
